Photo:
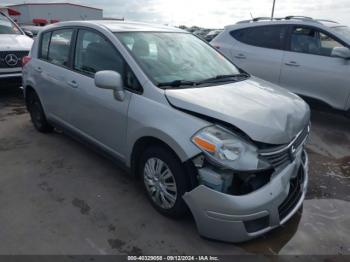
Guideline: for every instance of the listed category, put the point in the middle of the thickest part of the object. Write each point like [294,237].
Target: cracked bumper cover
[223,217]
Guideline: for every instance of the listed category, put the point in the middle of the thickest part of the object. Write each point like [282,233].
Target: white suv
[14,45]
[309,57]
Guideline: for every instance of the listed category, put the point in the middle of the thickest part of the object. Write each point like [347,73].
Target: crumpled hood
[15,42]
[266,112]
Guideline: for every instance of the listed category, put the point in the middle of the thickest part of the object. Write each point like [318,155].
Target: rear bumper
[240,218]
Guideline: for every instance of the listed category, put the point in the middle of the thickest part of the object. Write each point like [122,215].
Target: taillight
[25,60]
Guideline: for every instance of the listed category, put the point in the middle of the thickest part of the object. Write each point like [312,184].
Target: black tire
[37,114]
[179,208]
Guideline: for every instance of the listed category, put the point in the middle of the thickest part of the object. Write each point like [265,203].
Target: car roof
[318,23]
[121,26]
[326,25]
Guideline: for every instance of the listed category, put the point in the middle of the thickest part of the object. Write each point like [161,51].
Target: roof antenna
[273,10]
[251,15]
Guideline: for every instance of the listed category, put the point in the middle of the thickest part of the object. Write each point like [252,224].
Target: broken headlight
[228,150]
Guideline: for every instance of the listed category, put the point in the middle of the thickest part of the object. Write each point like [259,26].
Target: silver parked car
[198,131]
[307,56]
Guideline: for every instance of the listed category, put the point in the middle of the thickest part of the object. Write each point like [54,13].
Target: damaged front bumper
[238,218]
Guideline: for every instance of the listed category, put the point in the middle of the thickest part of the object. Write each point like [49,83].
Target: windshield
[7,27]
[167,57]
[343,31]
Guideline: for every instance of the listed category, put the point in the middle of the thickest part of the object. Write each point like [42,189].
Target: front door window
[311,41]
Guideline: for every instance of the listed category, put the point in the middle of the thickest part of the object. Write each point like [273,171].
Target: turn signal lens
[204,144]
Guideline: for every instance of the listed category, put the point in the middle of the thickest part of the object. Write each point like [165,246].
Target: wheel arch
[140,146]
[144,142]
[28,90]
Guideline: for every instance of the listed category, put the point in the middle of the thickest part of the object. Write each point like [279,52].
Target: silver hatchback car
[201,134]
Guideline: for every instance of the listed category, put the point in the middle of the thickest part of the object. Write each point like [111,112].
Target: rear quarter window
[44,48]
[272,37]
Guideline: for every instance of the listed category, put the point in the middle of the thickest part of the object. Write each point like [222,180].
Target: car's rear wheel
[37,114]
[164,180]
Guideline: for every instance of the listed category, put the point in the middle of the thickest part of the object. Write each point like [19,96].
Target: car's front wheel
[37,114]
[164,180]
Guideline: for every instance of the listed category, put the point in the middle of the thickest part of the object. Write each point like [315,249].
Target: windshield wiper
[220,78]
[178,83]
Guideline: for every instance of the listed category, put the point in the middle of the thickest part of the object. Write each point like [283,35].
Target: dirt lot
[59,197]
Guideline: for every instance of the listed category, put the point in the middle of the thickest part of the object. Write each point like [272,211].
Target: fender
[149,118]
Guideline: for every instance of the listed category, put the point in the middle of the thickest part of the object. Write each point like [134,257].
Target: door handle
[73,84]
[292,63]
[38,69]
[241,56]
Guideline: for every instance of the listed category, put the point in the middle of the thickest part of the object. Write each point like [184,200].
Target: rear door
[310,70]
[259,50]
[51,73]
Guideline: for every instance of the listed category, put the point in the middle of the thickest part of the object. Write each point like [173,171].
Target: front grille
[18,54]
[285,155]
[301,137]
[294,195]
[279,159]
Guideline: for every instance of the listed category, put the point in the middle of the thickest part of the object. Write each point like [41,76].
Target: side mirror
[342,52]
[28,33]
[111,80]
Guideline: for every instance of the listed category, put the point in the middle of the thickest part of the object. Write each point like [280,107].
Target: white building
[46,13]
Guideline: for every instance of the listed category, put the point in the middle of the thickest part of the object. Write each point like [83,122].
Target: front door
[94,112]
[310,70]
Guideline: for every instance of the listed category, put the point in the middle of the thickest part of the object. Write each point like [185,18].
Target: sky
[213,13]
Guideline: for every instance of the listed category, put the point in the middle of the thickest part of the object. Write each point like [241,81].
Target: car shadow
[273,242]
[318,108]
[8,94]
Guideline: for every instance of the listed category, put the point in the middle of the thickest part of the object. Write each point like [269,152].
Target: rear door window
[59,48]
[272,37]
